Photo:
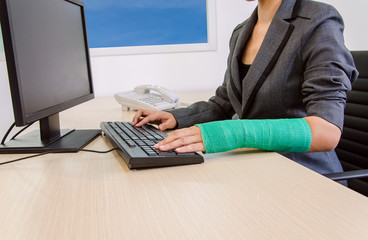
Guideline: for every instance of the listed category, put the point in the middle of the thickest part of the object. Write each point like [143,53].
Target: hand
[164,120]
[183,140]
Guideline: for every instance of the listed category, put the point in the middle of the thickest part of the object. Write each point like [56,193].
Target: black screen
[47,56]
[51,52]
[51,55]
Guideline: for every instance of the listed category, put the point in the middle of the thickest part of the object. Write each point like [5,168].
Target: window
[145,26]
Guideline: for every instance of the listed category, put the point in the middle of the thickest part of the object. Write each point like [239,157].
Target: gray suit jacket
[302,69]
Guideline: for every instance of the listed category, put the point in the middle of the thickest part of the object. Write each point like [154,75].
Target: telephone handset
[149,97]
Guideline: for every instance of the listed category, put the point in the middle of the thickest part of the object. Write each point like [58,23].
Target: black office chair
[353,147]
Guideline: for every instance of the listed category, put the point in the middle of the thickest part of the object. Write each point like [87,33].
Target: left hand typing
[183,140]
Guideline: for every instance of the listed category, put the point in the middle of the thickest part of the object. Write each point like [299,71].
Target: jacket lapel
[273,44]
[235,89]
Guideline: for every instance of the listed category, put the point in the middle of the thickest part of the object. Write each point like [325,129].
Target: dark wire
[55,151]
[94,151]
[19,132]
[7,133]
[24,158]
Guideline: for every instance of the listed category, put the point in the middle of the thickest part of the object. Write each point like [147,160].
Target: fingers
[145,120]
[183,140]
[197,147]
[143,116]
[165,120]
[137,116]
[168,123]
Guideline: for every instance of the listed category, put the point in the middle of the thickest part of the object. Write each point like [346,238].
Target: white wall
[189,70]
[355,14]
[176,71]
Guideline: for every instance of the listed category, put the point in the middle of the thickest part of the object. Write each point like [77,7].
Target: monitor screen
[47,56]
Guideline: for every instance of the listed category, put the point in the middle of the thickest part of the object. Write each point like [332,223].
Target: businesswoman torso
[301,68]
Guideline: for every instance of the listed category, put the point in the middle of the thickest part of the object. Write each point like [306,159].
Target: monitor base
[69,141]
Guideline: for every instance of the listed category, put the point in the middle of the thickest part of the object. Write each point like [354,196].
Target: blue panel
[145,22]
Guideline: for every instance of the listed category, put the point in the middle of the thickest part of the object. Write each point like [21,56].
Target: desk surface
[243,194]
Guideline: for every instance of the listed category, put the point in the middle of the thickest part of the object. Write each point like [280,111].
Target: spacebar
[171,153]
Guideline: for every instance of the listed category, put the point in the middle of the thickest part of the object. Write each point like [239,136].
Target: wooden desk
[243,194]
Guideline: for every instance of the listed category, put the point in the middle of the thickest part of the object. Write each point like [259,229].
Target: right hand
[164,120]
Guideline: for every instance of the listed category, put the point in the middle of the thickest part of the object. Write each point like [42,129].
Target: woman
[287,77]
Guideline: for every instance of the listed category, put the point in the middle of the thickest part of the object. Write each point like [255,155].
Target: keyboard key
[168,153]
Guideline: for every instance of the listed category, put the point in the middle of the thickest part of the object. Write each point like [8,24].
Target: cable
[24,158]
[30,124]
[94,151]
[7,133]
[55,151]
[19,132]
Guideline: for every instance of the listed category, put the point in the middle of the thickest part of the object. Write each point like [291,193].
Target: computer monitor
[47,57]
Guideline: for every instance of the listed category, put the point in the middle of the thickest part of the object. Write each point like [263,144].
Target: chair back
[353,147]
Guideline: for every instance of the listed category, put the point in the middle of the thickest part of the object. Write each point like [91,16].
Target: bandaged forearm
[281,135]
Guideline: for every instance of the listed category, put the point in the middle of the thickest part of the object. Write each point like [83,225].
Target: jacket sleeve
[329,67]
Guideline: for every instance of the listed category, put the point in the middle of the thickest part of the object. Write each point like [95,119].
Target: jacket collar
[272,46]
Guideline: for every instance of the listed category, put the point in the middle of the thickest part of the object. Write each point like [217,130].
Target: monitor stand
[50,138]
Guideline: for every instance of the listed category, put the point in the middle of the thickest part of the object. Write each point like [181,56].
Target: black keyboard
[135,145]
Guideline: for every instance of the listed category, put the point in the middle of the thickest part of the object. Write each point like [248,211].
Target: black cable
[30,124]
[24,158]
[7,133]
[55,151]
[94,151]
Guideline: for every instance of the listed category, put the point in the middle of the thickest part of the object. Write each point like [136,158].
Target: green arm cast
[282,135]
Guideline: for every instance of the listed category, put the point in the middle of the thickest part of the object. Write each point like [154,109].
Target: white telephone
[148,97]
